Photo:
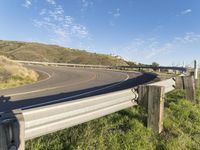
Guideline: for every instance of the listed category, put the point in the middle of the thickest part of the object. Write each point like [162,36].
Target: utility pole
[184,64]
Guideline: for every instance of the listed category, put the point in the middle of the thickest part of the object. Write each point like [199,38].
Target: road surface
[57,84]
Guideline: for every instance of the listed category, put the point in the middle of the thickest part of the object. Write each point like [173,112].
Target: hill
[13,74]
[53,53]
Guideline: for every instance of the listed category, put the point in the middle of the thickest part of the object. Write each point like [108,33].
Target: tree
[155,64]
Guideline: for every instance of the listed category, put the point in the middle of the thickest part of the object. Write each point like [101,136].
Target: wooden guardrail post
[152,98]
[155,108]
[143,96]
[179,82]
[196,73]
[188,84]
[12,131]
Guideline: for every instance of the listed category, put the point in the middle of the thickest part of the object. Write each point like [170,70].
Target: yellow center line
[57,87]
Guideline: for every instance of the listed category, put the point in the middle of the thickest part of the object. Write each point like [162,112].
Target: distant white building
[116,56]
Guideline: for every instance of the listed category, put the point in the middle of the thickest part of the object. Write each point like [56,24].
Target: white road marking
[49,76]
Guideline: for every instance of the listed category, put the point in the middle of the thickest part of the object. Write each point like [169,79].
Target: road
[57,84]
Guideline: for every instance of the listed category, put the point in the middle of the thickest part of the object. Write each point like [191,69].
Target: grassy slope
[126,130]
[13,74]
[53,53]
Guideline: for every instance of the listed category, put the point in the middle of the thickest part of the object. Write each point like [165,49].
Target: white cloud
[27,3]
[80,30]
[147,48]
[60,27]
[51,2]
[43,11]
[57,13]
[189,37]
[61,33]
[186,11]
[85,4]
[115,13]
[151,47]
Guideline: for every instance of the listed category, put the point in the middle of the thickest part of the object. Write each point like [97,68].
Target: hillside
[13,74]
[52,53]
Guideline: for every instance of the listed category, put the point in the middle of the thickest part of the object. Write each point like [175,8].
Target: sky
[164,31]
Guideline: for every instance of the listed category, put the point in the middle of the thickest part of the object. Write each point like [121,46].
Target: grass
[53,53]
[116,131]
[127,130]
[181,124]
[13,74]
[198,93]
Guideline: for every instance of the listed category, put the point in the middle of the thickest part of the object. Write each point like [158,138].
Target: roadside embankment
[13,74]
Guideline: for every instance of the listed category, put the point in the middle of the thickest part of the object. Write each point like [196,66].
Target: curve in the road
[60,84]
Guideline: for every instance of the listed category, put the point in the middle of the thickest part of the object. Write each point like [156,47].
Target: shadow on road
[6,105]
[4,99]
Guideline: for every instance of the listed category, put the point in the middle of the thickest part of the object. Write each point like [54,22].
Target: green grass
[122,130]
[181,124]
[127,130]
[13,74]
[198,92]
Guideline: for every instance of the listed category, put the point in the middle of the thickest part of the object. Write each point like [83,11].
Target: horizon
[140,31]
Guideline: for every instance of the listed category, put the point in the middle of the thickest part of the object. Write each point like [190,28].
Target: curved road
[58,84]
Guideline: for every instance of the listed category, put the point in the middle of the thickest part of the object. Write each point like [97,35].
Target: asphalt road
[59,84]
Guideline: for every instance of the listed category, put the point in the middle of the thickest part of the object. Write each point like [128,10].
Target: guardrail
[182,69]
[155,67]
[20,125]
[27,124]
[63,115]
[61,64]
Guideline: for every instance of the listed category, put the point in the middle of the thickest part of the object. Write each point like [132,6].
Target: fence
[20,125]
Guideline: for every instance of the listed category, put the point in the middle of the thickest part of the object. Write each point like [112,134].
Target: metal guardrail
[101,66]
[47,119]
[156,67]
[169,84]
[61,64]
[43,120]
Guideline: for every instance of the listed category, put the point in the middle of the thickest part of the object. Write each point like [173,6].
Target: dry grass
[53,53]
[13,74]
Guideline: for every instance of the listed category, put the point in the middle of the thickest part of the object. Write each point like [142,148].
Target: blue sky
[166,31]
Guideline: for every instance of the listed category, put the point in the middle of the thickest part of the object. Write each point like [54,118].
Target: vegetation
[126,130]
[155,64]
[13,74]
[53,53]
[181,125]
[130,63]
